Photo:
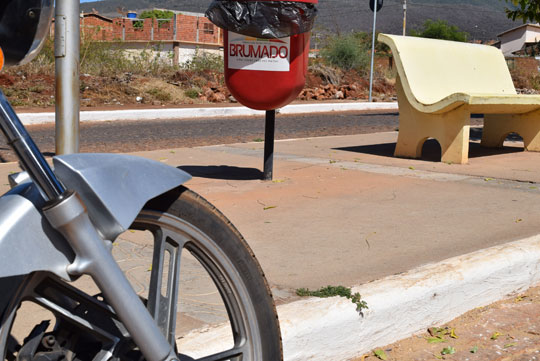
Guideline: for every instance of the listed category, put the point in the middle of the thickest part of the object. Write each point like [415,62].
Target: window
[208,29]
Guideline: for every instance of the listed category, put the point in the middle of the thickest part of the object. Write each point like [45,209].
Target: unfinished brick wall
[183,28]
[96,28]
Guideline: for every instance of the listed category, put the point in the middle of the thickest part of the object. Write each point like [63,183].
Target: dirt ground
[508,330]
[37,89]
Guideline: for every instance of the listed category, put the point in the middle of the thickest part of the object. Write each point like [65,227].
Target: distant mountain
[483,19]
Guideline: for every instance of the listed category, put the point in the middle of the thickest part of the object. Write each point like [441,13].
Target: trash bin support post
[269,131]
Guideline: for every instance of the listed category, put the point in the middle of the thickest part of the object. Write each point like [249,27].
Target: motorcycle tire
[225,254]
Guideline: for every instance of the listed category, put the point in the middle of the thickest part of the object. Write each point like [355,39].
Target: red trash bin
[266,74]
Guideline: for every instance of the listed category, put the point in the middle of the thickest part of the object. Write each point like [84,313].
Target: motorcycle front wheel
[193,243]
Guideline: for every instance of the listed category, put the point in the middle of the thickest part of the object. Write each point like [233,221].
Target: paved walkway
[343,211]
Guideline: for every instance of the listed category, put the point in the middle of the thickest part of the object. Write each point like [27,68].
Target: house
[519,38]
[175,40]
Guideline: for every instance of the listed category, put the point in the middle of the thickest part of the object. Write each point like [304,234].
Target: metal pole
[66,52]
[373,51]
[270,126]
[404,17]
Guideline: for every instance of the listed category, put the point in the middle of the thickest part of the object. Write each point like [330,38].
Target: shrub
[193,93]
[203,61]
[346,52]
[159,94]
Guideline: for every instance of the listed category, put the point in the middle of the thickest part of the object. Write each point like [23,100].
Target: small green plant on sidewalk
[332,291]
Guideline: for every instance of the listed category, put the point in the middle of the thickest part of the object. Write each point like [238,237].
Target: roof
[537,26]
[104,18]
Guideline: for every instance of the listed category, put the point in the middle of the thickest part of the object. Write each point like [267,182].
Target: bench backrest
[434,69]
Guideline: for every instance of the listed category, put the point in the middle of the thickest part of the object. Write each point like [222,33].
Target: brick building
[176,39]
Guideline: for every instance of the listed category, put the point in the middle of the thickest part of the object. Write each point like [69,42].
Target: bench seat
[441,83]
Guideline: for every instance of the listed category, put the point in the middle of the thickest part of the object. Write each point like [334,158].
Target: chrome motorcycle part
[183,227]
[24,24]
[16,179]
[27,242]
[28,153]
[93,257]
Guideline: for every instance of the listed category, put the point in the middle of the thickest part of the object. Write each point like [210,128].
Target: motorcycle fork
[66,213]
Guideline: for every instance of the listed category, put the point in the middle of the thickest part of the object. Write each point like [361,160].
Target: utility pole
[372,50]
[404,17]
[66,52]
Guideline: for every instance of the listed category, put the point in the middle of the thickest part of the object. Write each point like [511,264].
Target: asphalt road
[130,136]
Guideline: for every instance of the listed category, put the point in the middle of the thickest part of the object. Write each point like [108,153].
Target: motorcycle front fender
[115,187]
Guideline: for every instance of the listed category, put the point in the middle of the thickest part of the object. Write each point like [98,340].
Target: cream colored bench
[440,83]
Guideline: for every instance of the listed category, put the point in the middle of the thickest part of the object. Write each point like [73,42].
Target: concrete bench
[440,83]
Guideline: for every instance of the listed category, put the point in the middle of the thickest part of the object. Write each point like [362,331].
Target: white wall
[187,52]
[513,41]
[165,51]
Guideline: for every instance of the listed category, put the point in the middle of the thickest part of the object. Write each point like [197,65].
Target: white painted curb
[399,306]
[189,113]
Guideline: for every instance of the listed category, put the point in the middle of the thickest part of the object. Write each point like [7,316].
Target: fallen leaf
[380,354]
[435,340]
[508,345]
[448,351]
[488,179]
[495,335]
[519,220]
[411,168]
[474,349]
[269,207]
[453,333]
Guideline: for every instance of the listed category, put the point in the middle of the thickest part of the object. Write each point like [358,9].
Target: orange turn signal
[1,59]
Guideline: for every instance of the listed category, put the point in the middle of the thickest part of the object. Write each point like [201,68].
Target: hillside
[483,19]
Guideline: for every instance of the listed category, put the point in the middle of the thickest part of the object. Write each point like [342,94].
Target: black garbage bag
[263,19]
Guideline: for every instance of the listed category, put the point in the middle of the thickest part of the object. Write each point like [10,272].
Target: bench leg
[451,130]
[498,126]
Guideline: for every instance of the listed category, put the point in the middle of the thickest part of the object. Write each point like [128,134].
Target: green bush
[109,59]
[440,29]
[193,93]
[159,94]
[203,61]
[346,52]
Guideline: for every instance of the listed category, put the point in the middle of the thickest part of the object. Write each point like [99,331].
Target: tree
[156,14]
[163,16]
[440,29]
[526,10]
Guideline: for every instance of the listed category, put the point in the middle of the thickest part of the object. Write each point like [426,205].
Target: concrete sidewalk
[423,242]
